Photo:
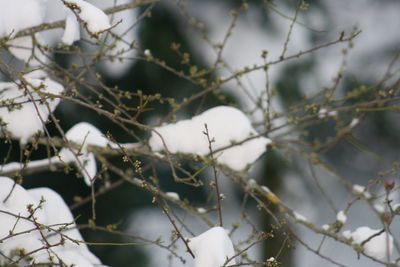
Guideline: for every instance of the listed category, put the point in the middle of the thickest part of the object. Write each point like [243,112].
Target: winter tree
[199,133]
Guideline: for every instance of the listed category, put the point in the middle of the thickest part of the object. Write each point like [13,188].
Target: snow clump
[85,134]
[212,248]
[21,210]
[377,247]
[341,217]
[26,105]
[94,19]
[226,126]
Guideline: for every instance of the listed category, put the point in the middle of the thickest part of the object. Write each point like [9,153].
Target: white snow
[354,122]
[127,30]
[25,49]
[341,217]
[82,134]
[67,257]
[16,15]
[96,21]
[17,166]
[226,125]
[147,53]
[212,248]
[58,213]
[252,184]
[347,234]
[299,217]
[325,227]
[361,190]
[201,210]
[85,134]
[22,109]
[396,208]
[323,112]
[378,247]
[17,204]
[53,211]
[379,208]
[358,189]
[173,196]
[72,30]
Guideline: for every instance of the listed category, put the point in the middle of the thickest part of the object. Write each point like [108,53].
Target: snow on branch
[79,139]
[37,227]
[235,142]
[94,20]
[17,15]
[212,248]
[310,119]
[25,105]
[375,243]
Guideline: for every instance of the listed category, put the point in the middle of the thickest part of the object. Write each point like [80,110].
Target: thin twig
[210,141]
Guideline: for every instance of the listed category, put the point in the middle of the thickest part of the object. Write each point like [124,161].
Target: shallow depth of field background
[373,147]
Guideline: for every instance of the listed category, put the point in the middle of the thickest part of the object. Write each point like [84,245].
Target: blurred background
[367,156]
